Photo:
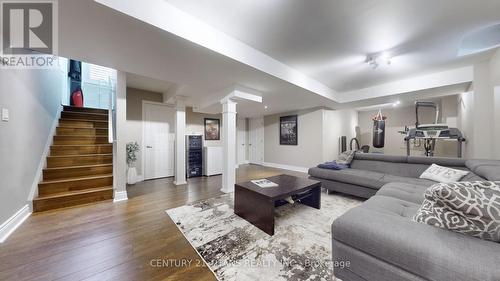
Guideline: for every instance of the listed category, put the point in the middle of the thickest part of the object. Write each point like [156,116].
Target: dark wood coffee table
[256,204]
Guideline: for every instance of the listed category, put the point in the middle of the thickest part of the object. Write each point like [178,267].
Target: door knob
[149,146]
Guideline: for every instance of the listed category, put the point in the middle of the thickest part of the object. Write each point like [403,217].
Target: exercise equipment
[379,130]
[427,134]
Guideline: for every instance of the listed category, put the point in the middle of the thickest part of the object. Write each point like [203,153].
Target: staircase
[80,165]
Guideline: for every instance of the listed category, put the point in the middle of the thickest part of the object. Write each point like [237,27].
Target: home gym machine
[429,133]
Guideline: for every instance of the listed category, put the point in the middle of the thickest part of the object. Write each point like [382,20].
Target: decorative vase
[131,175]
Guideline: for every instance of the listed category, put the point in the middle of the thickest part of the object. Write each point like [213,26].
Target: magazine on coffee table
[264,183]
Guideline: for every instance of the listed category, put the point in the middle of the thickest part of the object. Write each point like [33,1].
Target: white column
[229,140]
[119,147]
[180,142]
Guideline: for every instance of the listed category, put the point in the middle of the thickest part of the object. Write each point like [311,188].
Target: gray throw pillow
[471,208]
[346,157]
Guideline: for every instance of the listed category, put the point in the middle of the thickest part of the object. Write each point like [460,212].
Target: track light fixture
[375,60]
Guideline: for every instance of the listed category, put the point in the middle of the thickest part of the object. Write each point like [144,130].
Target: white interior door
[241,142]
[256,141]
[158,141]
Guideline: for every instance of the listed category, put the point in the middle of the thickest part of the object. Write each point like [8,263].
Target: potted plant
[132,149]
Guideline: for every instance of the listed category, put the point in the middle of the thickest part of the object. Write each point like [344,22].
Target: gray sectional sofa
[379,239]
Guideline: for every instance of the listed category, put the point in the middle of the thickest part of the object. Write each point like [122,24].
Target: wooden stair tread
[85,113]
[78,167]
[83,136]
[80,145]
[80,155]
[83,120]
[79,128]
[74,192]
[83,108]
[77,179]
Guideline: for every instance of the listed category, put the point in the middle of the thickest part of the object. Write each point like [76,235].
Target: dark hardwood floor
[130,240]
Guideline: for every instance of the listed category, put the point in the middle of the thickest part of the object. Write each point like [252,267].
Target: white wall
[337,123]
[483,113]
[495,80]
[495,68]
[308,152]
[465,112]
[33,98]
[319,131]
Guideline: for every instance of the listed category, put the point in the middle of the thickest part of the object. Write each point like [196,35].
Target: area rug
[234,249]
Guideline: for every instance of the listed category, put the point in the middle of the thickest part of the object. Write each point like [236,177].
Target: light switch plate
[5,114]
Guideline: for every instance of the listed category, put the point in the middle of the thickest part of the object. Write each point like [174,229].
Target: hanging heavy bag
[379,130]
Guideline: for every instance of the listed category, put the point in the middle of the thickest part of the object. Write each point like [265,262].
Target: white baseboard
[286,167]
[38,176]
[120,196]
[140,178]
[180,183]
[8,227]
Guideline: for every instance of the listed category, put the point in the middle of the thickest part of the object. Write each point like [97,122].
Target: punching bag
[379,130]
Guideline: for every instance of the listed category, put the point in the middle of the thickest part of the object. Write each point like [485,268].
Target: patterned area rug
[236,250]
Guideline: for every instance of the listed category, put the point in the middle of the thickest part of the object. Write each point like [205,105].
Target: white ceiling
[148,84]
[158,59]
[150,54]
[329,39]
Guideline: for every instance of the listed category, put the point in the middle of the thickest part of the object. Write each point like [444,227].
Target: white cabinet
[212,160]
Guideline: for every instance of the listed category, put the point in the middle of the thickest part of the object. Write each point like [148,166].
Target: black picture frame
[289,133]
[212,129]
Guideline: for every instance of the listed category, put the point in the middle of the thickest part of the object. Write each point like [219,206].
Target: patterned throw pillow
[443,174]
[471,208]
[346,157]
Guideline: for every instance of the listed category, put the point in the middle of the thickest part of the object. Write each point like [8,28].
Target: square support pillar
[119,147]
[180,143]
[229,147]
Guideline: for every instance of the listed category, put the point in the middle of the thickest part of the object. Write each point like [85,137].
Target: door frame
[143,144]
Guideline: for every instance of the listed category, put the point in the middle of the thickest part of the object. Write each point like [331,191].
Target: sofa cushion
[352,176]
[416,181]
[472,177]
[471,208]
[443,174]
[380,157]
[491,173]
[473,164]
[398,169]
[382,227]
[405,191]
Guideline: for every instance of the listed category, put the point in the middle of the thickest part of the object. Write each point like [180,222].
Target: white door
[241,142]
[158,141]
[256,141]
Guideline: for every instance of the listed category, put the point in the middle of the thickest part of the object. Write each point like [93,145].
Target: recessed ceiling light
[265,106]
